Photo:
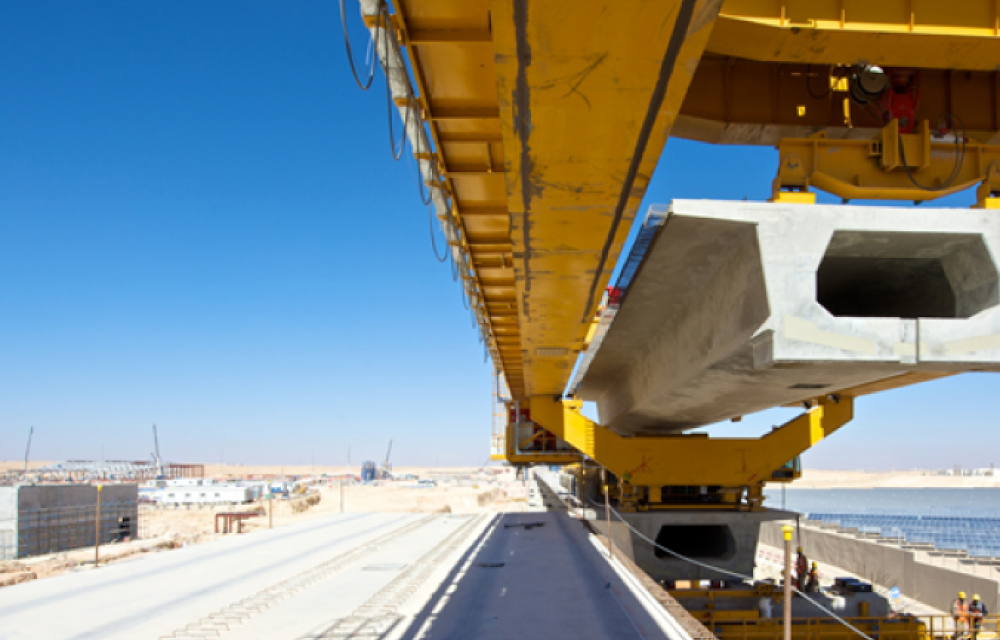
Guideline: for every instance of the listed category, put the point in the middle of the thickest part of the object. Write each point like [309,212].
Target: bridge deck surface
[406,576]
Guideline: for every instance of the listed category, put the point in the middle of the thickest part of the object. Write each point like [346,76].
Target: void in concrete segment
[724,539]
[737,307]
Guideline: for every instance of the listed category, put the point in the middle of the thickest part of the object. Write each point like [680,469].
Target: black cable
[435,177]
[465,301]
[960,147]
[809,85]
[881,115]
[430,226]
[396,155]
[350,56]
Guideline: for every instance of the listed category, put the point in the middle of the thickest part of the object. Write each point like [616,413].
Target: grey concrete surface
[316,610]
[888,566]
[740,306]
[430,576]
[742,530]
[154,596]
[553,584]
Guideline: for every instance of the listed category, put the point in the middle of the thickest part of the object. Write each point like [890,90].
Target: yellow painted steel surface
[687,460]
[819,628]
[450,51]
[899,33]
[739,101]
[548,119]
[875,169]
[588,91]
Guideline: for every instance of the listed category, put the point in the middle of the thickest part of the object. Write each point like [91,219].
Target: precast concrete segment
[724,539]
[147,598]
[544,582]
[739,307]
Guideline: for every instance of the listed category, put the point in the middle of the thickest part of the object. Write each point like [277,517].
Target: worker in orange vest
[960,613]
[801,570]
[977,611]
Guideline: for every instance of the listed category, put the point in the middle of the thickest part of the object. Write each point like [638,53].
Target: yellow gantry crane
[537,127]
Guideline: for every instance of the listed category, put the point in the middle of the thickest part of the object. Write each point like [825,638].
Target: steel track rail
[219,622]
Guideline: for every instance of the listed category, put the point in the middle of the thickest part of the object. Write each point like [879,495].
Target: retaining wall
[886,566]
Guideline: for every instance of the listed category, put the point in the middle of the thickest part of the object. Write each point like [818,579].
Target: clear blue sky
[201,226]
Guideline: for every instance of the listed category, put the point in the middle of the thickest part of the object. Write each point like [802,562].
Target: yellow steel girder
[588,91]
[898,33]
[686,460]
[449,51]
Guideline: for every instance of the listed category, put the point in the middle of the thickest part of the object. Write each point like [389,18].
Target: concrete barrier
[887,566]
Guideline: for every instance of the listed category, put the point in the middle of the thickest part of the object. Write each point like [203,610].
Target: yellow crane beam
[548,119]
[897,33]
[588,92]
[449,48]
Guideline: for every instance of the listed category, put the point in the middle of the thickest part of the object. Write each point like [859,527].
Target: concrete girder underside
[724,539]
[739,307]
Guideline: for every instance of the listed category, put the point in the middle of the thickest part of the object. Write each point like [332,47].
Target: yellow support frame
[902,33]
[874,169]
[686,460]
[514,457]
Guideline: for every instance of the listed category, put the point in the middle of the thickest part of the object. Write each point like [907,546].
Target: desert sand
[811,478]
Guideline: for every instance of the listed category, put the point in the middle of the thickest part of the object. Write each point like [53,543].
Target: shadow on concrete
[533,581]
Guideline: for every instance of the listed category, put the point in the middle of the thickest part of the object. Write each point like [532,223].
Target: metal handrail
[896,627]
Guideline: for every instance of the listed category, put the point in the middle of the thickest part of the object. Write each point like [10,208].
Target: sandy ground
[163,529]
[240,470]
[811,478]
[233,470]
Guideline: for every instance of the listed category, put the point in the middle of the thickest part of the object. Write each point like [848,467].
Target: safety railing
[897,627]
[968,627]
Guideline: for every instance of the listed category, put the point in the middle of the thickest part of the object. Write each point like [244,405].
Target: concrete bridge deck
[435,576]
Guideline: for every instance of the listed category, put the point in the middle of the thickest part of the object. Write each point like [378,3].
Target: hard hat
[799,549]
[815,565]
[961,594]
[975,597]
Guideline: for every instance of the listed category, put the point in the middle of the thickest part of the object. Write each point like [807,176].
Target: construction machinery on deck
[537,126]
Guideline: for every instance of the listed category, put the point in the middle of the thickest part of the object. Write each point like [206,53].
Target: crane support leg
[656,464]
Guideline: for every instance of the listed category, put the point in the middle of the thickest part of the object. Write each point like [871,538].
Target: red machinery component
[901,98]
[615,295]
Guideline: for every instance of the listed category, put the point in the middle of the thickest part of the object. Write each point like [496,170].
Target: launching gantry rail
[537,127]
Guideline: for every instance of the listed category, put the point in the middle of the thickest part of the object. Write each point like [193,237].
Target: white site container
[211,494]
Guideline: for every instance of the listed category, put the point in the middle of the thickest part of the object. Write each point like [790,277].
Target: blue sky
[201,227]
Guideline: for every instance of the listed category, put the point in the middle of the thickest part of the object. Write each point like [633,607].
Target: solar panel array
[979,536]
